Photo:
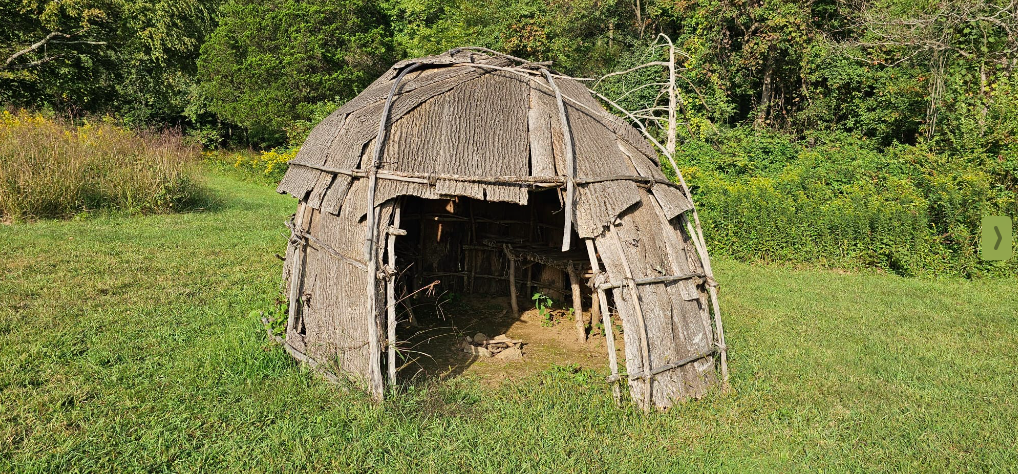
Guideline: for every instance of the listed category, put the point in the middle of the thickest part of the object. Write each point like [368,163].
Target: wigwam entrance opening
[459,247]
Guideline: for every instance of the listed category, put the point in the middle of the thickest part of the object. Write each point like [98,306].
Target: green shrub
[842,201]
[267,167]
[51,168]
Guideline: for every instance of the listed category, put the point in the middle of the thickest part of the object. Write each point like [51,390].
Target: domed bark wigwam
[465,163]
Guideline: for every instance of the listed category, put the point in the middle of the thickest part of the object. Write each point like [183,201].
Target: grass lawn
[126,345]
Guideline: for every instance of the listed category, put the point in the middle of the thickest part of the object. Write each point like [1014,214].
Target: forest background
[838,133]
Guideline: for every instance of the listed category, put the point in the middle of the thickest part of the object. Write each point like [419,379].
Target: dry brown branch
[52,37]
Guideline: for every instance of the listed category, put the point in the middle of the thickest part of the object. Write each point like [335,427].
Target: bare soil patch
[436,345]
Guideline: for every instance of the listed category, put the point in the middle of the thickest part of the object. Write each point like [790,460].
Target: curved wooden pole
[371,241]
[570,174]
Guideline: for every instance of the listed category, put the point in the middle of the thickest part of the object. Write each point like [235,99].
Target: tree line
[250,72]
[852,132]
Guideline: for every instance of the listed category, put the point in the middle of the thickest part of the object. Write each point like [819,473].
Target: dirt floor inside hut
[435,346]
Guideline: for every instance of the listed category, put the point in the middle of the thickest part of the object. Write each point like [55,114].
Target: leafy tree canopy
[270,61]
[135,58]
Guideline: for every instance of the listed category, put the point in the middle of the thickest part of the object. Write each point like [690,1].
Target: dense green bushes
[841,201]
[49,168]
[269,62]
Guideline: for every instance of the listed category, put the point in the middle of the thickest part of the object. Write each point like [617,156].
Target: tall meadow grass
[53,168]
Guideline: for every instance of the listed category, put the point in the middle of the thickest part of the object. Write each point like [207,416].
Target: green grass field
[126,345]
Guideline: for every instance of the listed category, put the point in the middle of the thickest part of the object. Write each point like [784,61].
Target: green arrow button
[997,238]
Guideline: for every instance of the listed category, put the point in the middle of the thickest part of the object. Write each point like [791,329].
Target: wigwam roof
[464,123]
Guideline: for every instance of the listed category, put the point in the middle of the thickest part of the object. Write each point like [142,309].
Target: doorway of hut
[455,308]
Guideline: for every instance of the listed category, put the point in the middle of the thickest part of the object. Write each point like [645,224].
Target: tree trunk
[767,91]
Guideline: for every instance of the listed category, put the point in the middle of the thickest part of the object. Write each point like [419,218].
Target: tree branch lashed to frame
[645,118]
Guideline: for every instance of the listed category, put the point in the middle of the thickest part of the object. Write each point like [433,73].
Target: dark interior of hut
[454,268]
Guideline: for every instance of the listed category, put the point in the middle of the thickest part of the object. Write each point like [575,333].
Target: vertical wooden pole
[574,286]
[390,295]
[296,271]
[371,241]
[644,334]
[375,355]
[606,320]
[512,284]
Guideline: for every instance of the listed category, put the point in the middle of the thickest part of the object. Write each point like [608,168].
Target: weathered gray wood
[371,241]
[525,181]
[360,125]
[598,204]
[379,90]
[697,236]
[377,305]
[666,207]
[640,319]
[542,156]
[319,245]
[297,182]
[579,95]
[390,293]
[296,277]
[694,334]
[492,131]
[336,318]
[357,133]
[569,173]
[602,204]
[670,366]
[606,320]
[412,151]
[674,325]
[679,258]
[660,279]
[485,134]
[574,287]
[671,198]
[512,284]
